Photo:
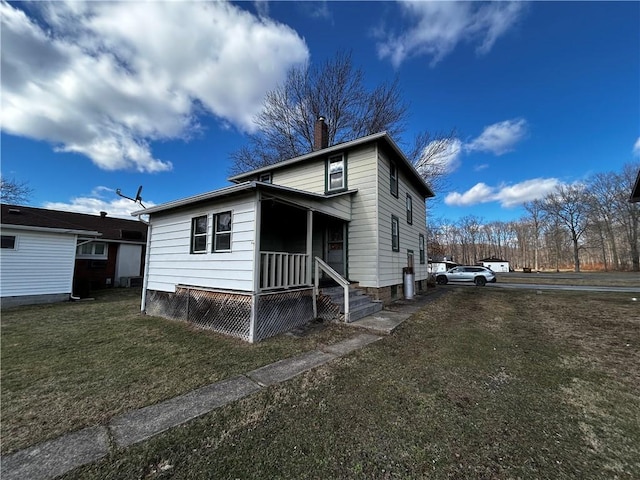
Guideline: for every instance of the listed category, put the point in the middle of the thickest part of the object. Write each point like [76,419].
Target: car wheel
[441,280]
[480,281]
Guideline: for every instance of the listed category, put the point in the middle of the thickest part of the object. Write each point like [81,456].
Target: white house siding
[391,263]
[128,261]
[362,237]
[497,266]
[307,176]
[339,207]
[41,264]
[170,260]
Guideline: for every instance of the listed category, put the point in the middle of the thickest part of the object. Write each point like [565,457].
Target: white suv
[463,273]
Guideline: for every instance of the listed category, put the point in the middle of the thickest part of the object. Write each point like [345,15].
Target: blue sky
[100,96]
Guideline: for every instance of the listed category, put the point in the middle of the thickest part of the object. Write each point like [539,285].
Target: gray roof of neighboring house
[109,228]
[493,259]
[383,136]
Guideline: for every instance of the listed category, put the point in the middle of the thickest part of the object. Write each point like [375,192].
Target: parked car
[467,273]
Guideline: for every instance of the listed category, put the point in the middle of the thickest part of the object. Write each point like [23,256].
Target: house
[495,264]
[242,260]
[440,265]
[48,255]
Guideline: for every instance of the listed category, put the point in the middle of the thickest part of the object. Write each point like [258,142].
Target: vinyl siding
[391,263]
[308,176]
[362,232]
[41,264]
[170,260]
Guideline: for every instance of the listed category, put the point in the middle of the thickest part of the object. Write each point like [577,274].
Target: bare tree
[335,90]
[629,213]
[568,205]
[536,216]
[13,191]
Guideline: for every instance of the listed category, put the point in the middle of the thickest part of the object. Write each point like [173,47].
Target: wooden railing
[344,283]
[282,270]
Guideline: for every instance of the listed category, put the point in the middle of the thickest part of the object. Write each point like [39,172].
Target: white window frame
[421,248]
[92,254]
[265,177]
[409,208]
[218,234]
[336,159]
[393,179]
[395,222]
[194,235]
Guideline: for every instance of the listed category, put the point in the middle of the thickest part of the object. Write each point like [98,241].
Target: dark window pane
[224,222]
[223,242]
[200,225]
[8,241]
[200,243]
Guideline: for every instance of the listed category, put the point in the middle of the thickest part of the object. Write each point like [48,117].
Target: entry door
[335,247]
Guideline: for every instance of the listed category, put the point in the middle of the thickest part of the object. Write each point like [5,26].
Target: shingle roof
[111,228]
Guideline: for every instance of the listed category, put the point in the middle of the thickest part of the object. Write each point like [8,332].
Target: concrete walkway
[61,455]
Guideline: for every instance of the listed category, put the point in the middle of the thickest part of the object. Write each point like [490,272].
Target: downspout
[145,280]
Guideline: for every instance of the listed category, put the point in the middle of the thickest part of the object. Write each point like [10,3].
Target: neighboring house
[241,260]
[48,255]
[495,264]
[440,265]
[635,192]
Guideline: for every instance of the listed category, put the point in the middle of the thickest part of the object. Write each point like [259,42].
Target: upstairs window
[8,241]
[421,247]
[92,250]
[222,232]
[395,233]
[199,234]
[409,210]
[265,177]
[336,179]
[393,179]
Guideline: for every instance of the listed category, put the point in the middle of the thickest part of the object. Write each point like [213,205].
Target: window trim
[93,254]
[327,174]
[409,208]
[395,221]
[265,177]
[15,242]
[394,182]
[217,234]
[421,248]
[195,235]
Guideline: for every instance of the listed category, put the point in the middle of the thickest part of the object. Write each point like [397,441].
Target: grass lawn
[70,365]
[483,383]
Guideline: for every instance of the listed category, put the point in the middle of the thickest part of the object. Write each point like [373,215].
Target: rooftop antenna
[138,198]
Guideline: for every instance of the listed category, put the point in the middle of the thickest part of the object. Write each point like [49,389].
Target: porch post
[257,265]
[309,246]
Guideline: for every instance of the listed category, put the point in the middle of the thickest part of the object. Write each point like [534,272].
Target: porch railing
[320,265]
[282,270]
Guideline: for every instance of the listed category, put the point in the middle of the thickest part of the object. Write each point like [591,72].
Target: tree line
[589,225]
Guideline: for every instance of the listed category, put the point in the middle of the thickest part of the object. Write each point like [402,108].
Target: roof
[236,190]
[110,228]
[493,259]
[382,136]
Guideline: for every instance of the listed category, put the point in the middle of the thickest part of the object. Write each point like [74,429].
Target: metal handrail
[321,265]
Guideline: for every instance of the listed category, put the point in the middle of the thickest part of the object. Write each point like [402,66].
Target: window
[395,233]
[410,259]
[222,232]
[8,241]
[336,173]
[393,179]
[421,247]
[92,250]
[409,210]
[265,177]
[199,234]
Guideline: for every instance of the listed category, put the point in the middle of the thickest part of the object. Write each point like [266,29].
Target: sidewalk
[61,455]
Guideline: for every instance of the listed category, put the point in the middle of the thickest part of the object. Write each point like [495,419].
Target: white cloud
[482,166]
[507,195]
[499,138]
[636,147]
[105,79]
[118,207]
[438,27]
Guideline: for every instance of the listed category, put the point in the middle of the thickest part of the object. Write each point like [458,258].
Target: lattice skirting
[282,311]
[224,312]
[230,313]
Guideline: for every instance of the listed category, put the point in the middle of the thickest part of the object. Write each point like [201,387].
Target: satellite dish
[138,197]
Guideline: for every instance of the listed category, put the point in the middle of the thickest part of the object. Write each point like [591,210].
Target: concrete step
[360,305]
[364,310]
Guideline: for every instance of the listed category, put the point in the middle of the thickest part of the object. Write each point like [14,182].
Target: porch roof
[238,190]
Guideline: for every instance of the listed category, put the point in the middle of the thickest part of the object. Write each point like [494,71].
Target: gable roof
[109,228]
[376,137]
[494,259]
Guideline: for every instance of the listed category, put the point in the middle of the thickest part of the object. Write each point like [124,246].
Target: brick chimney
[320,135]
